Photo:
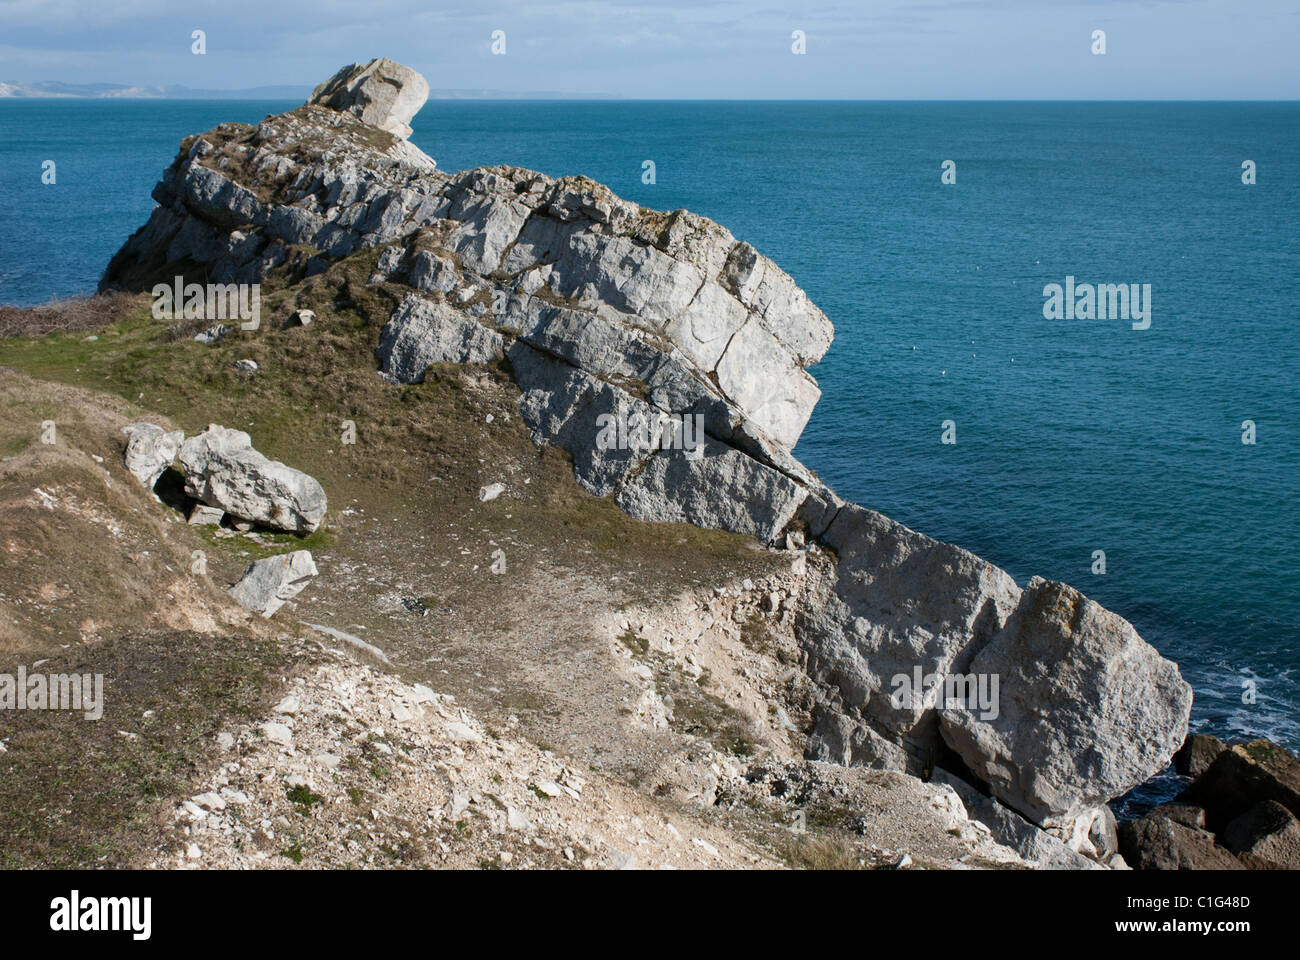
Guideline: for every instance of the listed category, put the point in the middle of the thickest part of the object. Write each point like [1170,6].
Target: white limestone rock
[271,582]
[150,450]
[1088,709]
[382,93]
[423,332]
[222,469]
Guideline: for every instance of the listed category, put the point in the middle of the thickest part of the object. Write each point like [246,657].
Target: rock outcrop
[695,347]
[424,332]
[222,469]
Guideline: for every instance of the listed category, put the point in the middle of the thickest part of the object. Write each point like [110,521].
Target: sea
[1150,462]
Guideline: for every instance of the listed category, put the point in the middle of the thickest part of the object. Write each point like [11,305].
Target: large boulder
[222,469]
[1242,776]
[1159,843]
[382,93]
[1088,709]
[271,582]
[1265,837]
[150,450]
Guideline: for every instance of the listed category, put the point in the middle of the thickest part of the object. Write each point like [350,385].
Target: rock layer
[608,312]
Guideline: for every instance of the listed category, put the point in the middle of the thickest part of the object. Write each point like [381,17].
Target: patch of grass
[303,799]
[821,853]
[293,853]
[638,645]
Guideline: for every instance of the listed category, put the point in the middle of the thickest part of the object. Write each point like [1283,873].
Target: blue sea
[1073,436]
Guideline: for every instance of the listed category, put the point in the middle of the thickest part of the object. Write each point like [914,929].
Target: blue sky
[886,49]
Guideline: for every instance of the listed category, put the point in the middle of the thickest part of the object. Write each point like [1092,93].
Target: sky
[670,49]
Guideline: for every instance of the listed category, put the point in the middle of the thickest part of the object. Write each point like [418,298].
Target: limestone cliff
[608,312]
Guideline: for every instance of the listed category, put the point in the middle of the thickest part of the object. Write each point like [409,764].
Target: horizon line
[523,97]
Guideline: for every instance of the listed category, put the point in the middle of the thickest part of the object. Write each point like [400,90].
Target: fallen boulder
[1188,814]
[222,469]
[1088,709]
[1196,754]
[201,515]
[382,93]
[150,450]
[1158,843]
[1242,776]
[269,583]
[1265,837]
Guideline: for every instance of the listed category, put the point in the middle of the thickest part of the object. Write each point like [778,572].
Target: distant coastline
[57,90]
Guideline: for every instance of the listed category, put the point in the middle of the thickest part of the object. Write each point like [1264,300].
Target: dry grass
[70,315]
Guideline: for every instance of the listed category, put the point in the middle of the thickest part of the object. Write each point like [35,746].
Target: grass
[303,799]
[75,792]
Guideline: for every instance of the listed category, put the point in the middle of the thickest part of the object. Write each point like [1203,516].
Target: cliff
[622,328]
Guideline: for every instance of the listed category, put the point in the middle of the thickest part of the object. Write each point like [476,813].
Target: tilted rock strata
[502,245]
[605,309]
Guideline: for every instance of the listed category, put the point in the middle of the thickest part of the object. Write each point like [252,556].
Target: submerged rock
[222,469]
[269,583]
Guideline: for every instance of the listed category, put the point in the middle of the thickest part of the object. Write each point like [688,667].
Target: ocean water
[1072,435]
